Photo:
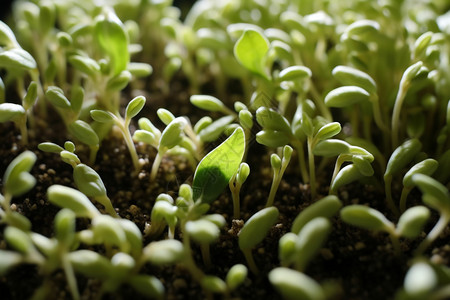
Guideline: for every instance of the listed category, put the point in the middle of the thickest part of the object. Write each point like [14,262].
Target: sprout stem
[389,200]
[235,188]
[106,202]
[71,279]
[206,254]
[274,187]
[155,166]
[434,233]
[403,197]
[129,142]
[250,261]
[312,169]
[396,114]
[301,159]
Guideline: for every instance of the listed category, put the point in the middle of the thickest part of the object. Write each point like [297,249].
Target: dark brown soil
[357,264]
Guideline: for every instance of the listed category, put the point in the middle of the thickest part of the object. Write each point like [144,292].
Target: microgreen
[293,284]
[254,231]
[133,108]
[216,169]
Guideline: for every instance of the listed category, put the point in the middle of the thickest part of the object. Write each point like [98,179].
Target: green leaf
[31,96]
[420,280]
[251,50]
[65,226]
[435,194]
[110,34]
[134,107]
[145,137]
[88,181]
[139,69]
[310,239]
[213,284]
[346,96]
[18,240]
[206,102]
[11,112]
[133,235]
[363,165]
[272,120]
[273,138]
[346,175]
[331,147]
[102,116]
[7,37]
[366,217]
[119,81]
[257,227]
[294,285]
[106,230]
[351,76]
[236,276]
[90,264]
[216,169]
[427,167]
[325,207]
[164,252]
[72,199]
[17,179]
[203,231]
[17,58]
[56,97]
[328,130]
[213,131]
[84,132]
[9,259]
[294,73]
[165,116]
[172,134]
[402,156]
[85,64]
[50,147]
[147,285]
[412,221]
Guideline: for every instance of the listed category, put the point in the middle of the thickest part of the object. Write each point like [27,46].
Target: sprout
[235,185]
[133,108]
[254,231]
[295,285]
[216,169]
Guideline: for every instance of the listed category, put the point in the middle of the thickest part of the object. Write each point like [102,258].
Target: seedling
[409,225]
[17,181]
[254,231]
[216,169]
[133,108]
[294,285]
[235,185]
[19,113]
[278,167]
[437,196]
[401,157]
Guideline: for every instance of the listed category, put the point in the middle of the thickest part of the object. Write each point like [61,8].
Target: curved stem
[273,188]
[155,166]
[106,202]
[389,200]
[71,279]
[403,197]
[206,254]
[250,261]
[312,168]
[130,144]
[433,234]
[396,114]
[301,159]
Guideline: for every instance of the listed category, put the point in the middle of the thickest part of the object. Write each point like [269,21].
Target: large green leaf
[251,50]
[216,169]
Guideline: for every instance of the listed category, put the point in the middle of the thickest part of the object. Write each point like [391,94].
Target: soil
[355,263]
